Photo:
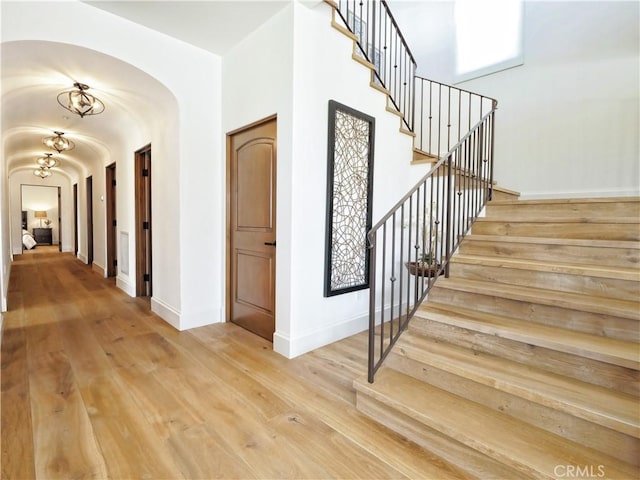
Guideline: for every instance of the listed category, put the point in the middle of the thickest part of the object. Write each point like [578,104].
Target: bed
[27,240]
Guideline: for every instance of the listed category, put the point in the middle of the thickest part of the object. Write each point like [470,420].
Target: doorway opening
[41,216]
[89,189]
[143,221]
[110,189]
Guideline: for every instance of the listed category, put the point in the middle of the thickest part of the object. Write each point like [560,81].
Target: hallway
[94,385]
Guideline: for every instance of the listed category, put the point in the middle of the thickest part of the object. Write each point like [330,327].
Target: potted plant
[427,238]
[426,266]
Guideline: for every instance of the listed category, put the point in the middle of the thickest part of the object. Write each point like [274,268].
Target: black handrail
[412,245]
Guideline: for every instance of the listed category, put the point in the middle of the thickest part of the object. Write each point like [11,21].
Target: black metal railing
[444,114]
[413,243]
[381,43]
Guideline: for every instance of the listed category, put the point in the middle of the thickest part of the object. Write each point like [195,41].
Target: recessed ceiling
[32,78]
[214,25]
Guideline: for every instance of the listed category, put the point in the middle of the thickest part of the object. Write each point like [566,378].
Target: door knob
[271,244]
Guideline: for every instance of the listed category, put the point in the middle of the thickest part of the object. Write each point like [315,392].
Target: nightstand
[43,236]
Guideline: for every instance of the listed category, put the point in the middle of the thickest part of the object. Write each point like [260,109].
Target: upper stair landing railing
[444,115]
[381,43]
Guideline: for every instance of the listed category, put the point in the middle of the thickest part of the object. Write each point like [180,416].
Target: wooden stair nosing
[619,308]
[594,270]
[602,406]
[603,349]
[530,450]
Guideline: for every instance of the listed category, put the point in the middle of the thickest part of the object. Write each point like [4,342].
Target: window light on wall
[488,37]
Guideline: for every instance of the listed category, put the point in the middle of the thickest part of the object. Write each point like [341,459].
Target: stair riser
[562,282]
[599,231]
[587,370]
[582,431]
[583,255]
[472,463]
[586,210]
[594,323]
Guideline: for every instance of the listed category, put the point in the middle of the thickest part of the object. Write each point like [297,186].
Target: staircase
[524,362]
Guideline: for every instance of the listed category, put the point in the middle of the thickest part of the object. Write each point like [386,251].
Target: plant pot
[421,269]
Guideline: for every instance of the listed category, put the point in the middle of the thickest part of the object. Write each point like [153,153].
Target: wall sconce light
[80,102]
[47,161]
[40,214]
[58,142]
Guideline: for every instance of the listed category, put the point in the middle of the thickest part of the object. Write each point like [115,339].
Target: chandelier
[47,161]
[80,102]
[42,172]
[58,142]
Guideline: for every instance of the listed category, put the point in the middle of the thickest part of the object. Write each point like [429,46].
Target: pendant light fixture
[58,142]
[42,172]
[47,161]
[80,102]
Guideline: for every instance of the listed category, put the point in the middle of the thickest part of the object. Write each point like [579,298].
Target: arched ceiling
[35,72]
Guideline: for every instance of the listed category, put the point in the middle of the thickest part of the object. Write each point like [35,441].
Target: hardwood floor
[96,386]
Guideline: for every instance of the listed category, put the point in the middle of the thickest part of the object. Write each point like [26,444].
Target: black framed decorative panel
[349,198]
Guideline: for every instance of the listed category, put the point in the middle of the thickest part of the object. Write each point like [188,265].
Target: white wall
[567,121]
[186,292]
[324,70]
[292,66]
[258,83]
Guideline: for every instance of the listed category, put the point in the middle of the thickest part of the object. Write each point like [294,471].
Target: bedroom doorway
[143,221]
[75,219]
[251,224]
[40,205]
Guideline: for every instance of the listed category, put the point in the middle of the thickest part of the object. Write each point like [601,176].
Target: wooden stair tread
[597,404]
[528,449]
[507,218]
[563,201]
[617,352]
[557,241]
[607,306]
[621,273]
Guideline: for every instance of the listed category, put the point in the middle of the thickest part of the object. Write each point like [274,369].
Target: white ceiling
[214,25]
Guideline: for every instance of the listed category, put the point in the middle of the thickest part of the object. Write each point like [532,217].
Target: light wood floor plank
[94,385]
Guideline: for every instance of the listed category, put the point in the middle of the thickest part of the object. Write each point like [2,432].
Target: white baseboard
[99,269]
[167,313]
[82,258]
[580,194]
[293,347]
[126,287]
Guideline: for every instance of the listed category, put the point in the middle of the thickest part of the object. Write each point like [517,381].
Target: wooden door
[112,263]
[59,219]
[89,189]
[252,227]
[143,221]
[75,219]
